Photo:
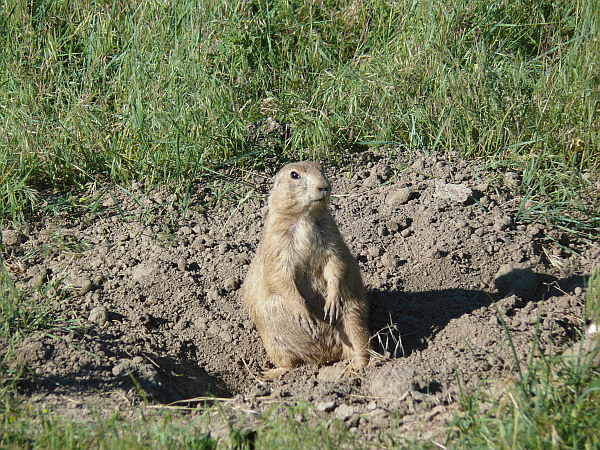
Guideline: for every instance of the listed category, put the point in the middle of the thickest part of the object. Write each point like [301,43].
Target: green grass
[162,91]
[38,428]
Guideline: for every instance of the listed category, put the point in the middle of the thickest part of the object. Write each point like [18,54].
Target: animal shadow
[403,322]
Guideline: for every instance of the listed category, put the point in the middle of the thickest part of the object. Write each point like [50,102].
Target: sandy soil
[153,292]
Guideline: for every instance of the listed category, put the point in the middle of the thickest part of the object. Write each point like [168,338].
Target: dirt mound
[154,292]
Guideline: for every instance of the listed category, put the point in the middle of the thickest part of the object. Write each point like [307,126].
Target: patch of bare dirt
[154,291]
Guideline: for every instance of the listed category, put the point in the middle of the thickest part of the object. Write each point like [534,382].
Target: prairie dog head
[300,188]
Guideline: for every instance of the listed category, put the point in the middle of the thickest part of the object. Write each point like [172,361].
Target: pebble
[418,165]
[181,325]
[83,285]
[200,323]
[344,412]
[143,270]
[213,295]
[456,192]
[98,315]
[231,284]
[405,233]
[119,369]
[389,260]
[185,230]
[259,390]
[214,330]
[325,406]
[181,264]
[533,230]
[502,223]
[519,256]
[433,253]
[142,318]
[392,226]
[398,197]
[226,336]
[374,251]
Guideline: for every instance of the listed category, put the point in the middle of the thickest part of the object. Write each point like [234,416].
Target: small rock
[223,248]
[392,226]
[181,325]
[519,256]
[108,202]
[119,369]
[226,336]
[372,181]
[374,251]
[405,233]
[181,264]
[502,223]
[214,329]
[143,270]
[83,285]
[344,412]
[533,230]
[213,295]
[418,165]
[331,373]
[231,284]
[325,406]
[456,192]
[389,261]
[98,315]
[433,253]
[200,323]
[142,318]
[380,419]
[185,230]
[511,179]
[207,241]
[398,197]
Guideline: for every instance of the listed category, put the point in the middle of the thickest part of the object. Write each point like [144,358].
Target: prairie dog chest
[309,246]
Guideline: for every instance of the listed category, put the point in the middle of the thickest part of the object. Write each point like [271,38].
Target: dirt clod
[98,315]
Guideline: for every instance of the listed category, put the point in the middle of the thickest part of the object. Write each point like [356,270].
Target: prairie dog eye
[294,175]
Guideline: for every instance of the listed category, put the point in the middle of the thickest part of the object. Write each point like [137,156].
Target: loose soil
[153,296]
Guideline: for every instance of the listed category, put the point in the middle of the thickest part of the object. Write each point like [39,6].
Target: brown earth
[154,294]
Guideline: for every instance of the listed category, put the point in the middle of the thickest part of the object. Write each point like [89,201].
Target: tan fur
[303,290]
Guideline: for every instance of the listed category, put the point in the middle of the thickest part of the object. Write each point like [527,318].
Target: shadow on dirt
[404,322]
[163,379]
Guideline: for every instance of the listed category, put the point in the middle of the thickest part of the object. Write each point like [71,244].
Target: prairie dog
[303,289]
